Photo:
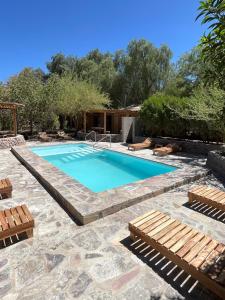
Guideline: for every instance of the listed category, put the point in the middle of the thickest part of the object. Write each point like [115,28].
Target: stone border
[9,142]
[216,162]
[87,206]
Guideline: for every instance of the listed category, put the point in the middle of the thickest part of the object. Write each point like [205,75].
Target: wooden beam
[14,122]
[104,122]
[85,122]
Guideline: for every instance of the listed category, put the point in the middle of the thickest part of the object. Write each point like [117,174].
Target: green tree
[188,73]
[27,88]
[96,68]
[205,111]
[161,117]
[61,64]
[212,12]
[73,97]
[141,71]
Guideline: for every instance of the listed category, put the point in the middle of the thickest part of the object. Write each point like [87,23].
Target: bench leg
[6,195]
[29,232]
[132,236]
[9,194]
[190,198]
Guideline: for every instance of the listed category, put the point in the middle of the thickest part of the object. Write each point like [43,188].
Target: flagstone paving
[97,260]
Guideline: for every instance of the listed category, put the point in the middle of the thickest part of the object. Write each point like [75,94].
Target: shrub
[160,114]
[200,116]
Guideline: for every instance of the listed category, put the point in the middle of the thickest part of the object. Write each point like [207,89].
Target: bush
[200,116]
[160,114]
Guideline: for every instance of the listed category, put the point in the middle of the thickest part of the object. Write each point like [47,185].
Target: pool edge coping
[86,206]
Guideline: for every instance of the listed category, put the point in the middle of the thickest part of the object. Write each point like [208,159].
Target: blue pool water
[99,170]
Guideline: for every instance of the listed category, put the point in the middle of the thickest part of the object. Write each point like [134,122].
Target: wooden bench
[16,220]
[208,195]
[196,253]
[5,188]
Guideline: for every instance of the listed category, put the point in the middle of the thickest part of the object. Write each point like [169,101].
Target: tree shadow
[182,282]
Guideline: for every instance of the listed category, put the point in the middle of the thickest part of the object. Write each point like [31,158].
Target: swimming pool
[97,169]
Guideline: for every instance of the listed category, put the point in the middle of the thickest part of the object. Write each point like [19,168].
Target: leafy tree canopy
[212,12]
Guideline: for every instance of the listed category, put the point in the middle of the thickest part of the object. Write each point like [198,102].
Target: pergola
[13,107]
[124,112]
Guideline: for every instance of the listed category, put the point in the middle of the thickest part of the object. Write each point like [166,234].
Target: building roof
[126,110]
[10,105]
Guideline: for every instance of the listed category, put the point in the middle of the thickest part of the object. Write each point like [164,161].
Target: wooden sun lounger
[43,137]
[166,150]
[62,135]
[5,188]
[208,195]
[16,220]
[196,253]
[147,143]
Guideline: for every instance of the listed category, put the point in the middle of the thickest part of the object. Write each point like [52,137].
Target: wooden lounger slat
[16,220]
[204,191]
[16,216]
[27,213]
[21,214]
[183,240]
[196,249]
[142,217]
[177,237]
[203,254]
[221,199]
[208,195]
[5,187]
[9,218]
[171,234]
[195,252]
[166,230]
[197,188]
[158,229]
[155,224]
[148,219]
[188,246]
[3,221]
[218,195]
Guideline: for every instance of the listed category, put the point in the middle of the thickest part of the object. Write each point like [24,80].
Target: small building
[119,123]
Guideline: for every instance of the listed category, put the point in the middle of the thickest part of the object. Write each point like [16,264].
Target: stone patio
[97,260]
[86,206]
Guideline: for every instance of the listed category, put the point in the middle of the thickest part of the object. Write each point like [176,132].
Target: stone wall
[9,142]
[195,147]
[216,162]
[116,138]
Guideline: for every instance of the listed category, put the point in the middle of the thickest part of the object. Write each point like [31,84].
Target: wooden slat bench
[5,188]
[208,195]
[197,254]
[16,220]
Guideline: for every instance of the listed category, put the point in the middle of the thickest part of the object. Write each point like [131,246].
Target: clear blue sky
[33,30]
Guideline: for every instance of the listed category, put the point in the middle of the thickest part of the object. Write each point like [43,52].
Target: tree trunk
[31,126]
[61,122]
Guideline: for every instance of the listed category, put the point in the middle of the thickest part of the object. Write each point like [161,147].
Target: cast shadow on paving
[13,240]
[182,282]
[208,211]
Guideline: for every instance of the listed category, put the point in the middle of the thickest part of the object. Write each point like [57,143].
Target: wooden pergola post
[12,106]
[85,122]
[14,121]
[104,121]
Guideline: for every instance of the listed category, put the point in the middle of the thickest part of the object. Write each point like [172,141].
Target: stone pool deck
[86,206]
[97,260]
